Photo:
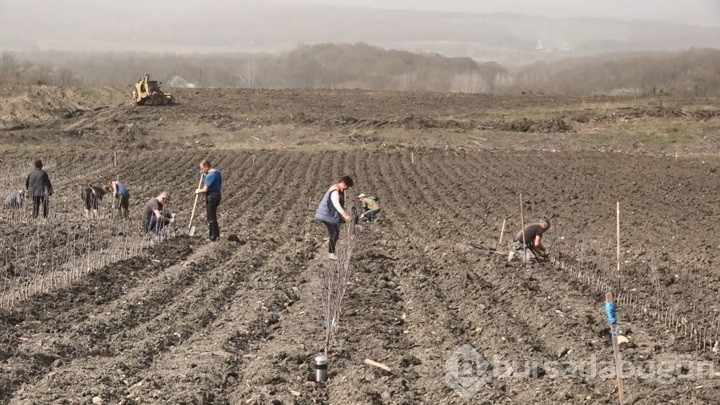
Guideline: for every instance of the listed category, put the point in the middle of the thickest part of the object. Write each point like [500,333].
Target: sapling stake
[614,333]
[522,226]
[618,247]
[502,231]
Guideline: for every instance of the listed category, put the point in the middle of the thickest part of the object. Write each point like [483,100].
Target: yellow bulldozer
[147,92]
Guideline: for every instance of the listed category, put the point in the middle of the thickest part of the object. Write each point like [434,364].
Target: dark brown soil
[181,321]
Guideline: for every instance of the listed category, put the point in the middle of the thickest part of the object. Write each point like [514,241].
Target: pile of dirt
[41,106]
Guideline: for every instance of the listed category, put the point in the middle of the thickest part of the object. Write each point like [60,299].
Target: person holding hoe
[331,212]
[211,187]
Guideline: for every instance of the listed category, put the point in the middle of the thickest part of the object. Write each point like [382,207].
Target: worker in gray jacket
[39,189]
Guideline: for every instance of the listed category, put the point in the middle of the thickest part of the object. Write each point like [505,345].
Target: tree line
[693,72]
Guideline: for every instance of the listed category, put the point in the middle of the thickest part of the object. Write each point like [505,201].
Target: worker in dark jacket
[39,189]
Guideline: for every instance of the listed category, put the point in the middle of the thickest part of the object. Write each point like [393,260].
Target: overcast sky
[703,12]
[699,12]
[280,25]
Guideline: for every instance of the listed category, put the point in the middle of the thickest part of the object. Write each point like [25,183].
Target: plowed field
[97,312]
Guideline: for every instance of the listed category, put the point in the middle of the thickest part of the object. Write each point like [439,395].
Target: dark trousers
[212,201]
[90,200]
[37,201]
[122,204]
[156,225]
[333,234]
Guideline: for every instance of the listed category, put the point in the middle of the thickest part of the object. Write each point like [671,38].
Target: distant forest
[695,72]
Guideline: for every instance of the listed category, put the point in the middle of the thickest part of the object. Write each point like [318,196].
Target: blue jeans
[369,215]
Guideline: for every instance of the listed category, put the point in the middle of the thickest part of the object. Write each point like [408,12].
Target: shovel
[191,228]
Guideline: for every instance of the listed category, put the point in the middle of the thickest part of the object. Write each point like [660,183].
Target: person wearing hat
[370,205]
[39,189]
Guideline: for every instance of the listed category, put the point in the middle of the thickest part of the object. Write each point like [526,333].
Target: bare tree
[335,279]
[468,83]
[7,67]
[65,77]
[249,73]
[408,81]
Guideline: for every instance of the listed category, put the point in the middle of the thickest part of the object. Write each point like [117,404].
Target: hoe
[191,228]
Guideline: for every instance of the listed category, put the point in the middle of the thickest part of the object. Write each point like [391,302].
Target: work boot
[332,256]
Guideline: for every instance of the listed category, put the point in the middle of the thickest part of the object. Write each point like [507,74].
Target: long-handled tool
[488,250]
[191,228]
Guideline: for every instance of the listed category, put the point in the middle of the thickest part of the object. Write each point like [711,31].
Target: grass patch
[8,148]
[307,148]
[600,138]
[669,137]
[100,95]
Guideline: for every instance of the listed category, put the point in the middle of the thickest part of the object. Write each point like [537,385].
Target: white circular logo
[466,371]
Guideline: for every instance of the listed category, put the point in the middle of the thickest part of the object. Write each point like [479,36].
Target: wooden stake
[618,242]
[502,231]
[376,364]
[522,226]
[115,156]
[616,354]
[412,157]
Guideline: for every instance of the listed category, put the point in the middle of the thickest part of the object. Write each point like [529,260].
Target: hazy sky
[280,25]
[699,12]
[705,12]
